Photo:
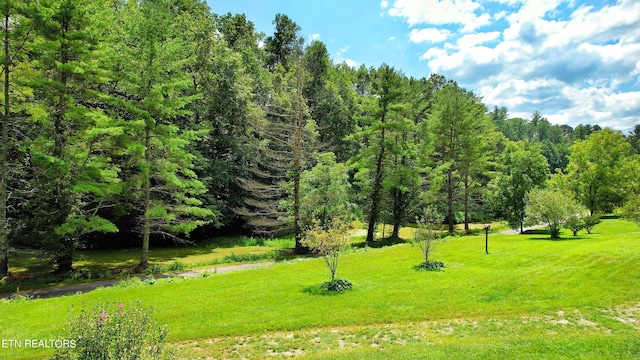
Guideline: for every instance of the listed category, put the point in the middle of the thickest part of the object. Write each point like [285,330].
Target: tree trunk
[297,228]
[63,258]
[297,167]
[146,226]
[375,196]
[397,213]
[4,240]
[466,204]
[450,215]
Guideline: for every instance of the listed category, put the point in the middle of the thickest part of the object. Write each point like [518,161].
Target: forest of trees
[127,122]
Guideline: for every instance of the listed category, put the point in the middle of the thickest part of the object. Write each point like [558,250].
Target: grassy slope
[507,302]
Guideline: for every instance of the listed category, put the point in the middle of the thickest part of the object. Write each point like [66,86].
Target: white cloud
[432,35]
[470,40]
[440,12]
[315,36]
[341,59]
[534,9]
[351,63]
[384,4]
[574,64]
[391,38]
[433,53]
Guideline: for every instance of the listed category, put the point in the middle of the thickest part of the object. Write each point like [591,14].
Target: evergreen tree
[73,178]
[379,110]
[16,28]
[154,87]
[459,131]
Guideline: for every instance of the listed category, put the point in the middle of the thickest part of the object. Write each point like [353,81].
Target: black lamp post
[487,227]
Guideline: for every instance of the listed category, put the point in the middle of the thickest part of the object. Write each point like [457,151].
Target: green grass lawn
[531,297]
[33,272]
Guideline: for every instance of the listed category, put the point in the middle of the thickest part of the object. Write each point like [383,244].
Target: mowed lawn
[531,298]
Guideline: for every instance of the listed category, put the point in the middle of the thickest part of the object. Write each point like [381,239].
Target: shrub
[129,283]
[574,224]
[552,208]
[337,285]
[329,241]
[243,257]
[591,221]
[114,331]
[631,210]
[430,265]
[176,266]
[426,234]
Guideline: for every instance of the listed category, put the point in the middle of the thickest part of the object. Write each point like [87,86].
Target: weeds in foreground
[113,330]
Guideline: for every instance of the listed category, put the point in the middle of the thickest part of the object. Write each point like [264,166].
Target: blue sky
[574,61]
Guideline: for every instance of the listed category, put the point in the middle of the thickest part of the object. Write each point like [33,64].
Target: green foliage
[337,285]
[590,221]
[431,265]
[631,210]
[325,192]
[575,224]
[521,167]
[114,331]
[597,171]
[329,241]
[553,208]
[426,235]
[380,114]
[458,131]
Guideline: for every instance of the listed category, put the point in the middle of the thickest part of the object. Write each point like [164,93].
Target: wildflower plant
[113,330]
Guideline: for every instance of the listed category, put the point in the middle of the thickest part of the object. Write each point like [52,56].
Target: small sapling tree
[329,241]
[575,224]
[427,237]
[590,221]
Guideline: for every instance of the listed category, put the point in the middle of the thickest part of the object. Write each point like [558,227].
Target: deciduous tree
[595,172]
[552,208]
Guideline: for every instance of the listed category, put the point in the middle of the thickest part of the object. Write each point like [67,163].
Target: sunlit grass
[525,282]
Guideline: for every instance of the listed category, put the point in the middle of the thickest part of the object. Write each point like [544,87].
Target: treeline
[145,120]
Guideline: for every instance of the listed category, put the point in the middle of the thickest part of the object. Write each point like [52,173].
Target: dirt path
[82,288]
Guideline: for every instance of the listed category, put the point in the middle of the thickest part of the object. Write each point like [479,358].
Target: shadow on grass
[536,232]
[320,290]
[390,241]
[564,238]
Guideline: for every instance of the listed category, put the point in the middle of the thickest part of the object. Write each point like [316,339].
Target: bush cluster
[337,285]
[430,265]
[114,331]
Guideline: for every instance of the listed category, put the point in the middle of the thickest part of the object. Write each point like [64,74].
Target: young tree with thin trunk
[329,241]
